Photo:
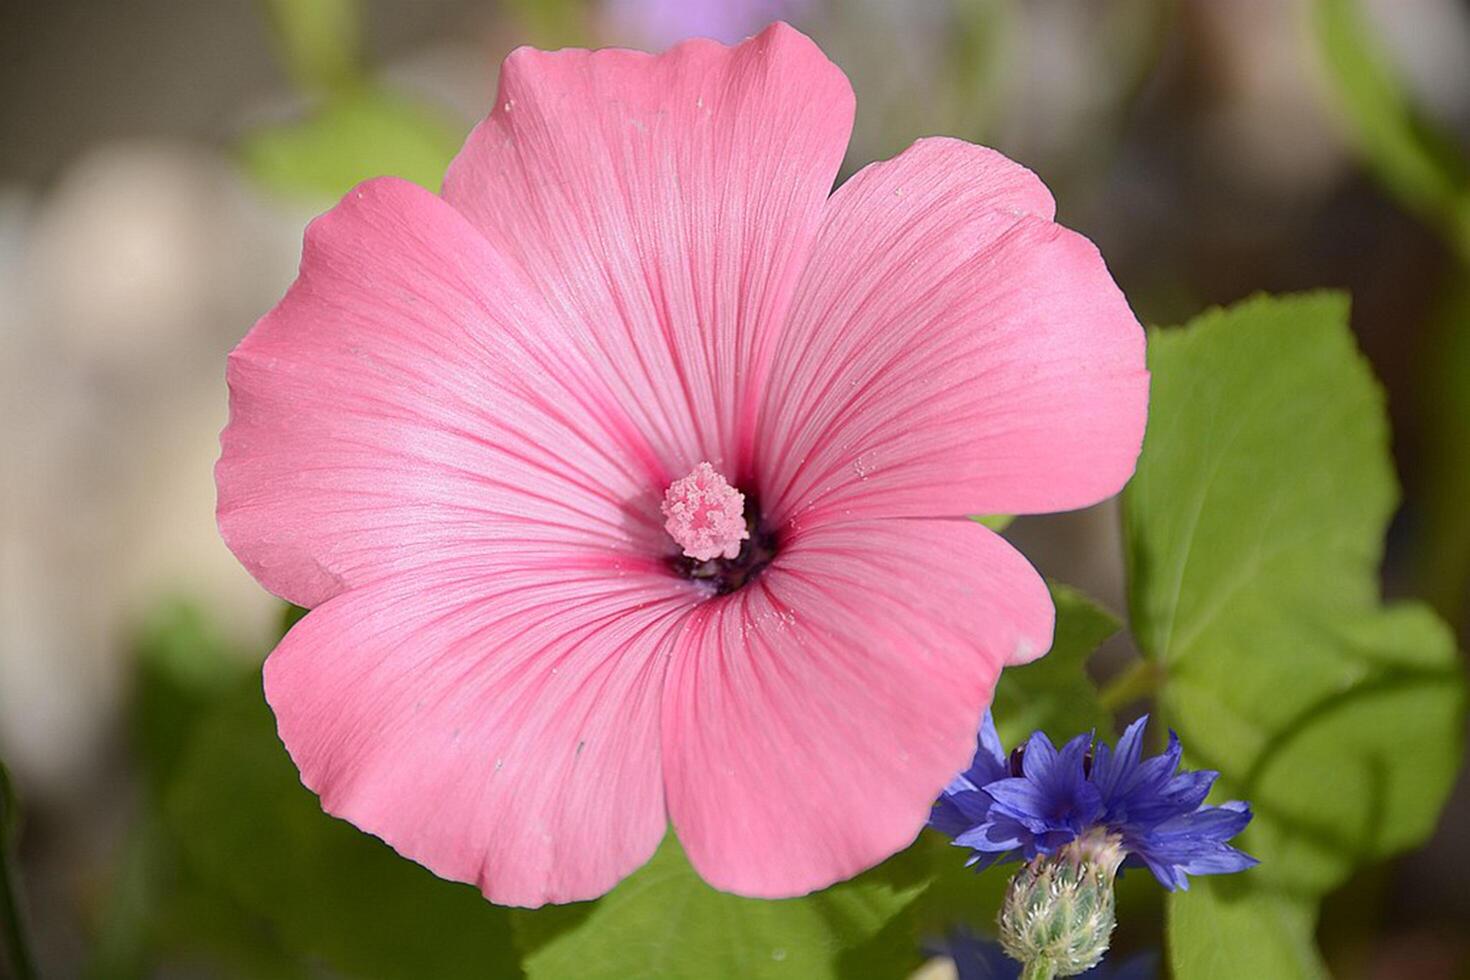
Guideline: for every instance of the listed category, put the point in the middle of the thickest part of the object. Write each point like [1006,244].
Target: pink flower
[473,436]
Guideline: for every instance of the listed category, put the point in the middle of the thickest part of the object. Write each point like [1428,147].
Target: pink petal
[499,725]
[951,351]
[408,401]
[811,718]
[665,205]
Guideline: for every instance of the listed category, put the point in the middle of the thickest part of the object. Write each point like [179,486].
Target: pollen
[705,515]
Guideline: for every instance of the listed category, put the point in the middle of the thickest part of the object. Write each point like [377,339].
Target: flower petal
[1113,770]
[499,725]
[1218,823]
[812,717]
[407,401]
[1039,760]
[665,205]
[999,834]
[962,804]
[1192,844]
[990,760]
[951,351]
[1028,803]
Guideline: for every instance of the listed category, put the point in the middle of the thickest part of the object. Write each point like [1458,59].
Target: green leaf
[664,921]
[1054,694]
[1222,927]
[1417,161]
[365,134]
[249,827]
[996,522]
[1254,529]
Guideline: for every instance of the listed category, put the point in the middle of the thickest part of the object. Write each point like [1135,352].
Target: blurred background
[159,160]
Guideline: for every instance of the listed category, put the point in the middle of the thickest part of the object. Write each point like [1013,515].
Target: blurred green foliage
[185,664]
[15,952]
[1255,523]
[328,892]
[232,860]
[1416,159]
[320,42]
[356,136]
[157,909]
[355,128]
[1419,163]
[552,23]
[1443,533]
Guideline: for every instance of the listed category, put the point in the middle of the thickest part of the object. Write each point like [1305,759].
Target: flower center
[705,515]
[720,533]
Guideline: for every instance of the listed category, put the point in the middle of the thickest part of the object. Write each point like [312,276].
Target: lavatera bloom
[625,479]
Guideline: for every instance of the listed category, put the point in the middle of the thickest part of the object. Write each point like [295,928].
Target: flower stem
[12,928]
[1038,969]
[1140,680]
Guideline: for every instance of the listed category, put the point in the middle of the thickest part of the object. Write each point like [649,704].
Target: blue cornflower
[1040,799]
